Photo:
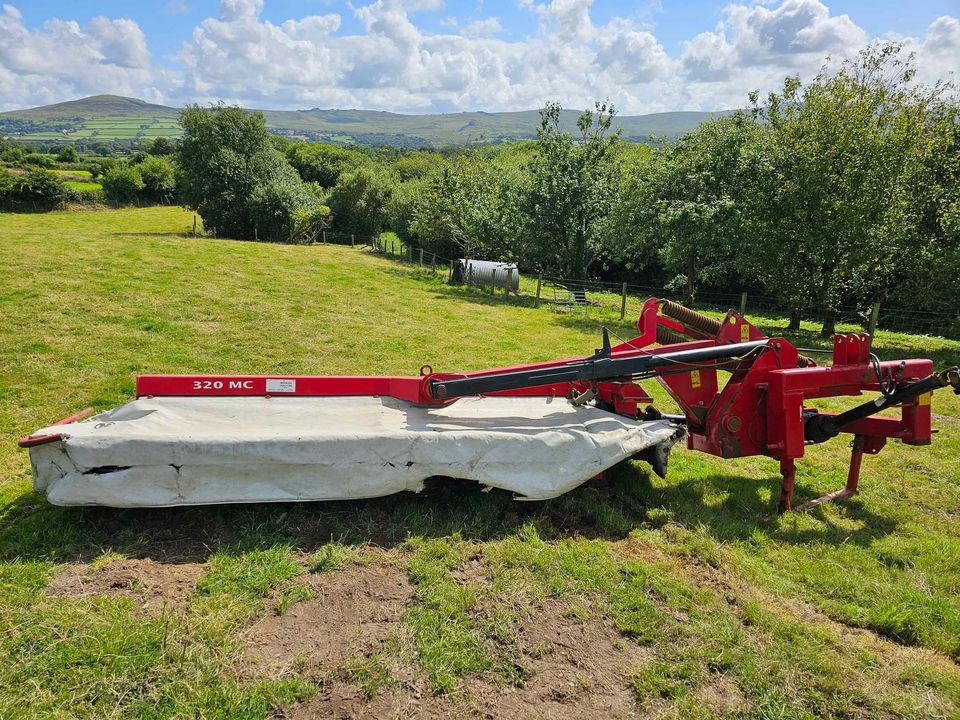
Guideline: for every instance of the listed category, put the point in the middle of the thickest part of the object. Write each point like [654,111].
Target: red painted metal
[758,410]
[28,441]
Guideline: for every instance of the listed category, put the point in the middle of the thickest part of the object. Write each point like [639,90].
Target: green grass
[848,611]
[80,185]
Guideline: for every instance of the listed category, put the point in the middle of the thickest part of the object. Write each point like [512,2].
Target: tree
[160,146]
[68,154]
[687,204]
[572,188]
[122,184]
[471,208]
[358,201]
[835,169]
[231,174]
[321,163]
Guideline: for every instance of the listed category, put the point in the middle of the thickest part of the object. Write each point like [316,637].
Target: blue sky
[428,55]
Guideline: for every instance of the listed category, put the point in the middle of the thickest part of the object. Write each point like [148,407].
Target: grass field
[681,597]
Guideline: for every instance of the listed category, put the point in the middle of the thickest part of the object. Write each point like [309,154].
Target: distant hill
[112,118]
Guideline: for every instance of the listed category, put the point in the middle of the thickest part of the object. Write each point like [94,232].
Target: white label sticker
[275,385]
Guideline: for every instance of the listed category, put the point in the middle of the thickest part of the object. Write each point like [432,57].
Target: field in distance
[113,118]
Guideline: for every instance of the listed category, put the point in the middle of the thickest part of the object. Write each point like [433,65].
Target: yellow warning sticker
[924,399]
[744,332]
[695,378]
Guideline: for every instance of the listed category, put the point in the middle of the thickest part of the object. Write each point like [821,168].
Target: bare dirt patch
[150,584]
[355,611]
[576,669]
[579,668]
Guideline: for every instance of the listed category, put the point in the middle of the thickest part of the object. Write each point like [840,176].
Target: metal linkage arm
[590,369]
[819,428]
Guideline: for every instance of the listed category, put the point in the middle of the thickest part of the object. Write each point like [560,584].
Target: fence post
[493,281]
[421,257]
[194,224]
[351,239]
[323,236]
[536,302]
[470,276]
[743,303]
[874,318]
[623,301]
[450,275]
[433,263]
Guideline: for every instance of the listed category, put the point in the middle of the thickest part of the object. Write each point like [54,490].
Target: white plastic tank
[486,273]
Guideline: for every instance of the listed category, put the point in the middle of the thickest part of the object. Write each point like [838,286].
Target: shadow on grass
[167,233]
[31,529]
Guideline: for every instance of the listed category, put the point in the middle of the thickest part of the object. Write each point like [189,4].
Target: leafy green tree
[322,163]
[573,185]
[416,165]
[359,200]
[835,177]
[928,264]
[687,204]
[230,173]
[160,146]
[472,208]
[68,154]
[122,184]
[402,206]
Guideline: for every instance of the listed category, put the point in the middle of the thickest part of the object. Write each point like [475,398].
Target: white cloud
[394,64]
[63,59]
[483,28]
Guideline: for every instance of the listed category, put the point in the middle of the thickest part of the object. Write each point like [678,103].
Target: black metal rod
[819,427]
[587,369]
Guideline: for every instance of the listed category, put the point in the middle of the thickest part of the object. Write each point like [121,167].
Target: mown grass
[848,611]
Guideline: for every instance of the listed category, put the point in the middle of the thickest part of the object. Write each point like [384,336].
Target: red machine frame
[761,410]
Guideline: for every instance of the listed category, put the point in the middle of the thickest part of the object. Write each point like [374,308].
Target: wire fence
[625,300]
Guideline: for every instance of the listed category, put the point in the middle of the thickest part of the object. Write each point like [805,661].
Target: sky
[425,56]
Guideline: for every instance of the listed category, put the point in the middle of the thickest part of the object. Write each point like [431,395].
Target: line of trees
[841,191]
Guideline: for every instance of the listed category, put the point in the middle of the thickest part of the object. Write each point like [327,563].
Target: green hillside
[110,118]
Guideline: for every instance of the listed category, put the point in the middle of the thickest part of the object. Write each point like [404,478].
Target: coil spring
[690,318]
[666,336]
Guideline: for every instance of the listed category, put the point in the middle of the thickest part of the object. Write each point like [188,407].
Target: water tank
[486,273]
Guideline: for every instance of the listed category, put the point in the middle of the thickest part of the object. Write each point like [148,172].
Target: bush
[68,154]
[122,184]
[308,224]
[359,200]
[158,178]
[99,167]
[317,162]
[275,205]
[402,206]
[39,160]
[13,155]
[84,196]
[160,146]
[38,189]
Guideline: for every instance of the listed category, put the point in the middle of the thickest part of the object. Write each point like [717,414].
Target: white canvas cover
[169,451]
